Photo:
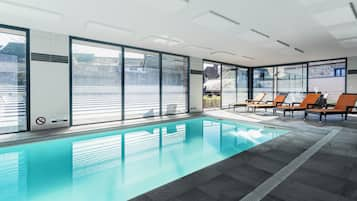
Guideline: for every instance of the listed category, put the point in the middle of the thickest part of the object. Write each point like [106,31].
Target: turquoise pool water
[121,164]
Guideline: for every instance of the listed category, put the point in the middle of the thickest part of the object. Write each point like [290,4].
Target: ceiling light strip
[260,33]
[250,58]
[31,7]
[283,43]
[353,8]
[299,50]
[224,17]
[223,52]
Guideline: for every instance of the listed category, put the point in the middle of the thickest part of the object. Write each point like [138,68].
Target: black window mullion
[188,84]
[122,83]
[160,83]
[236,83]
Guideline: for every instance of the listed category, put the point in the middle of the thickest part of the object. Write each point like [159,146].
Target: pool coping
[13,139]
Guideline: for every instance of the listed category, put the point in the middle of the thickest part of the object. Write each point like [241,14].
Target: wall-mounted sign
[40,121]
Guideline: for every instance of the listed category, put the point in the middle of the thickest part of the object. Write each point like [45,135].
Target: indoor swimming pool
[122,164]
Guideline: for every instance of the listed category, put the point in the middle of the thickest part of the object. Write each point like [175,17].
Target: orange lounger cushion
[261,105]
[326,110]
[286,107]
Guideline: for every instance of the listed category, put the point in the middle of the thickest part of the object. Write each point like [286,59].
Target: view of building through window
[97,83]
[174,84]
[13,82]
[263,82]
[224,85]
[211,85]
[291,80]
[297,79]
[142,89]
[322,74]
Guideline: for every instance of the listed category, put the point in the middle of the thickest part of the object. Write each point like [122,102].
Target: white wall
[196,85]
[352,79]
[49,81]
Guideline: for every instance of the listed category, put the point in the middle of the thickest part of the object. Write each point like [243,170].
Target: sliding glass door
[263,82]
[174,84]
[224,84]
[13,81]
[328,77]
[96,82]
[292,80]
[142,83]
[211,85]
[229,85]
[242,85]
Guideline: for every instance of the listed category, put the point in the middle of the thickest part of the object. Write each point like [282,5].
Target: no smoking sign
[40,121]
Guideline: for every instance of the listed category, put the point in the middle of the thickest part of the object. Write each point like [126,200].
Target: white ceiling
[211,29]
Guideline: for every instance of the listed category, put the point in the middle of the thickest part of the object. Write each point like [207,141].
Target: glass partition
[174,84]
[13,82]
[96,82]
[142,85]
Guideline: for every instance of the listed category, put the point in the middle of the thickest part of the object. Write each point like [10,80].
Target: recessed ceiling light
[283,43]
[260,33]
[311,2]
[273,45]
[344,31]
[349,43]
[336,16]
[247,58]
[24,10]
[299,50]
[98,27]
[199,48]
[353,8]
[290,52]
[164,40]
[217,21]
[222,53]
[252,36]
[167,6]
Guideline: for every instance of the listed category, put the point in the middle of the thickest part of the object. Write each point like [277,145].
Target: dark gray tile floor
[237,176]
[331,174]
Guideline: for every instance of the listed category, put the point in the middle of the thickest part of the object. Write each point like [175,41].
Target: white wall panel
[196,85]
[352,79]
[49,82]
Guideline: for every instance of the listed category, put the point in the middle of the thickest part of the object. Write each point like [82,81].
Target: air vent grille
[299,50]
[224,17]
[283,43]
[196,72]
[49,58]
[260,33]
[353,9]
[352,72]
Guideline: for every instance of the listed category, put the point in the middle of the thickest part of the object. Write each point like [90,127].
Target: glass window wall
[13,81]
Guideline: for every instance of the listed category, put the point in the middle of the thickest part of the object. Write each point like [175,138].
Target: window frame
[28,81]
[123,47]
[228,64]
[308,66]
[187,84]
